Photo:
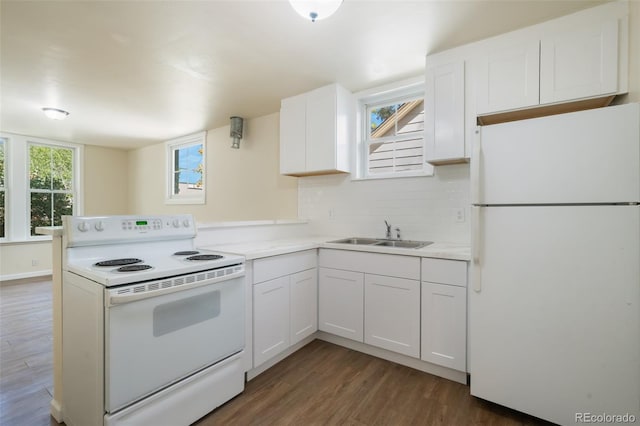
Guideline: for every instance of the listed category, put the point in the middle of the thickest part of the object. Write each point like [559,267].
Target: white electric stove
[118,250]
[153,328]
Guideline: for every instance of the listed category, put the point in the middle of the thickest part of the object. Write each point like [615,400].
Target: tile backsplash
[424,208]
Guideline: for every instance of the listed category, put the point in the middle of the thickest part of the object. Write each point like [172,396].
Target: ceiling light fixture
[236,131]
[55,113]
[315,10]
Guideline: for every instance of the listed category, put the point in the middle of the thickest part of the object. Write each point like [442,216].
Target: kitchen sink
[383,243]
[355,240]
[403,243]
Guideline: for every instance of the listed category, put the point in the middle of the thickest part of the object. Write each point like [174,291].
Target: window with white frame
[3,195]
[391,136]
[39,183]
[186,175]
[51,184]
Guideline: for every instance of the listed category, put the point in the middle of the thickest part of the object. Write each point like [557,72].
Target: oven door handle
[146,290]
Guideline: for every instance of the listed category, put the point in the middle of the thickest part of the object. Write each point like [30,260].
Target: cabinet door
[270,319]
[293,135]
[340,301]
[444,112]
[581,63]
[304,304]
[321,129]
[444,325]
[392,314]
[509,78]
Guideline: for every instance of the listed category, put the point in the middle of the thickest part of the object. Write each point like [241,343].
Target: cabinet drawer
[269,268]
[452,272]
[371,263]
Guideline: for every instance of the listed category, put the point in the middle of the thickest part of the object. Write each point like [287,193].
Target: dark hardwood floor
[26,364]
[325,384]
[321,384]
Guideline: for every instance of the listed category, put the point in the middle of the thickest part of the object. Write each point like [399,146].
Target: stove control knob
[99,226]
[83,227]
[185,223]
[176,223]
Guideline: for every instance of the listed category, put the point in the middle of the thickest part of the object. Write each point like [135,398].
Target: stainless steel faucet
[388,233]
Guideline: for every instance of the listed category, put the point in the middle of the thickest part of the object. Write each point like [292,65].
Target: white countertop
[259,249]
[55,231]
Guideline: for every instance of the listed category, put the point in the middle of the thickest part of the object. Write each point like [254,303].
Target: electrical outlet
[34,262]
[332,214]
[458,215]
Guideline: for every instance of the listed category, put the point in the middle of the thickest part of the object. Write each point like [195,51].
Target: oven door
[156,337]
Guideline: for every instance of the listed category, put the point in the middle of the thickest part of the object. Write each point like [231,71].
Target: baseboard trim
[55,408]
[407,361]
[25,278]
[427,367]
[253,373]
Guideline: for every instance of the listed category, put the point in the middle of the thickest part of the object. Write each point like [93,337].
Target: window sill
[408,175]
[184,201]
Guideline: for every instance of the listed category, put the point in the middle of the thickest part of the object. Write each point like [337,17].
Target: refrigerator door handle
[475,249]
[475,167]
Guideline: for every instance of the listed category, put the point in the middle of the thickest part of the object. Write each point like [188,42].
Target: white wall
[104,192]
[17,260]
[105,181]
[241,184]
[422,207]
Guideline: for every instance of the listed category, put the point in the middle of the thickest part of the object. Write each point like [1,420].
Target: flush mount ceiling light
[55,113]
[315,10]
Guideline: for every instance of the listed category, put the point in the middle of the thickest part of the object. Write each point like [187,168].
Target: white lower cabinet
[444,313]
[303,297]
[392,314]
[375,301]
[403,304]
[444,325]
[285,302]
[340,300]
[270,319]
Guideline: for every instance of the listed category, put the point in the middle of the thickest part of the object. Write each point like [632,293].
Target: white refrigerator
[554,303]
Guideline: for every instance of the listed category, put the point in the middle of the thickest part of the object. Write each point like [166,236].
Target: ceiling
[133,73]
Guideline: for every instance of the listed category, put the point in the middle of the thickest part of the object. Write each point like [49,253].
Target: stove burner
[133,268]
[118,262]
[185,253]
[205,257]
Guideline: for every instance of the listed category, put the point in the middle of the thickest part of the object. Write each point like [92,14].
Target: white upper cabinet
[580,63]
[444,113]
[315,130]
[572,59]
[508,78]
[293,133]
